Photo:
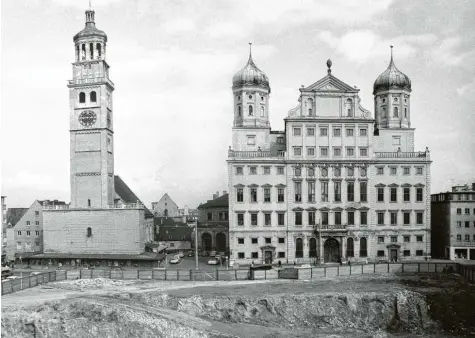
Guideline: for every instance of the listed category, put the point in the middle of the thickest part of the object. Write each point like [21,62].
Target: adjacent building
[337,183]
[13,216]
[175,236]
[4,229]
[213,224]
[165,207]
[453,223]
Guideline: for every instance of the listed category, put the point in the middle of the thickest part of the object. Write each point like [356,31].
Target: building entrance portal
[220,242]
[331,251]
[206,241]
[393,255]
[268,257]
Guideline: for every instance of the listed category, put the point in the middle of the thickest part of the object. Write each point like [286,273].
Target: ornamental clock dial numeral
[87,118]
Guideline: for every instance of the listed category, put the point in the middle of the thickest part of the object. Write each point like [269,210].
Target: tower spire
[391,53]
[90,7]
[250,50]
[90,15]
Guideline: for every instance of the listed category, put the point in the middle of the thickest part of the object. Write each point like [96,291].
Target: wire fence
[35,279]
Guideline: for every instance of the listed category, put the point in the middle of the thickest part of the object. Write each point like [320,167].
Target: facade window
[253,195]
[267,195]
[251,140]
[350,172]
[419,252]
[251,111]
[28,232]
[89,232]
[37,243]
[281,254]
[351,217]
[280,170]
[380,171]
[310,131]
[363,218]
[82,97]
[467,237]
[254,255]
[363,247]
[253,170]
[419,218]
[324,217]
[297,151]
[467,224]
[392,170]
[406,171]
[393,239]
[407,253]
[298,248]
[240,219]
[350,190]
[37,233]
[311,191]
[323,151]
[396,141]
[241,255]
[380,194]
[27,222]
[363,132]
[93,96]
[311,151]
[323,132]
[280,218]
[418,171]
[239,171]
[210,216]
[380,239]
[336,132]
[311,172]
[240,195]
[240,240]
[281,240]
[336,151]
[280,195]
[311,218]
[407,239]
[393,217]
[363,152]
[380,218]
[267,219]
[393,195]
[407,218]
[459,224]
[350,151]
[380,253]
[337,217]
[18,233]
[298,218]
[239,111]
[324,191]
[406,194]
[459,211]
[266,170]
[459,237]
[419,238]
[337,186]
[253,219]
[297,132]
[349,132]
[37,213]
[467,211]
[268,240]
[419,195]
[350,248]
[337,172]
[298,191]
[396,112]
[363,192]
[280,140]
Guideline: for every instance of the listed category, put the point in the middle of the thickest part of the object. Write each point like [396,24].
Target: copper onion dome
[392,78]
[250,75]
[90,30]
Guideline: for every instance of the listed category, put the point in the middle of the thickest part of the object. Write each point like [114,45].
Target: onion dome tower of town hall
[251,96]
[392,90]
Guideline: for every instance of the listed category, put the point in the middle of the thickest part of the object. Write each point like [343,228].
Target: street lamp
[196,242]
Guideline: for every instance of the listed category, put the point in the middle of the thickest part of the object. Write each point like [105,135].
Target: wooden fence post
[191,274]
[374,267]
[418,267]
[177,274]
[324,271]
[165,274]
[350,269]
[217,274]
[235,274]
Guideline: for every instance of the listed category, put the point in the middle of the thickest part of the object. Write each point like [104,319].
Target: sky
[172,63]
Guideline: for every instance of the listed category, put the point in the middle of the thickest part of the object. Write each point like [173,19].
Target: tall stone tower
[91,120]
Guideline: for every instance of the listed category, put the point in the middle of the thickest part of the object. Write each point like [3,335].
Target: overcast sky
[172,63]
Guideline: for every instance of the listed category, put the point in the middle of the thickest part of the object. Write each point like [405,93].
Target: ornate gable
[330,84]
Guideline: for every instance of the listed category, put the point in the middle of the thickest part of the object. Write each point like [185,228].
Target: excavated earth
[357,306]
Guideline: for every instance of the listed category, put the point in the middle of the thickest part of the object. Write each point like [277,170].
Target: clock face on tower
[87,118]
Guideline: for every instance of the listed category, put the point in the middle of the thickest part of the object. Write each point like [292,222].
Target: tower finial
[391,52]
[329,65]
[250,49]
[90,7]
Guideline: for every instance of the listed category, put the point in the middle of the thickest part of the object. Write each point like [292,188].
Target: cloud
[467,90]
[29,179]
[84,4]
[228,29]
[178,26]
[448,52]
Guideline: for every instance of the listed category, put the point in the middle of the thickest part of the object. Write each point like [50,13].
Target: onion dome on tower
[392,78]
[90,30]
[250,75]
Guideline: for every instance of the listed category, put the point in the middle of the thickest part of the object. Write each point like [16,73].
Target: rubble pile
[93,283]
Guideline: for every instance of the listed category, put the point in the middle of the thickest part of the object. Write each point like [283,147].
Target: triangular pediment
[331,84]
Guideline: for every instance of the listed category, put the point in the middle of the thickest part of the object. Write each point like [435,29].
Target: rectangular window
[311,191]
[210,216]
[467,237]
[266,170]
[27,222]
[393,195]
[380,239]
[380,253]
[350,189]
[240,240]
[337,217]
[419,171]
[280,170]
[419,252]
[407,218]
[459,211]
[281,254]
[267,219]
[280,140]
[393,239]
[336,151]
[37,213]
[18,233]
[297,151]
[253,195]
[381,194]
[37,233]
[324,217]
[37,223]
[392,170]
[406,171]
[267,195]
[467,224]
[323,132]
[298,218]
[268,240]
[349,132]
[337,186]
[407,253]
[281,240]
[254,254]
[336,132]
[324,191]
[297,132]
[311,151]
[311,218]
[363,132]
[280,218]
[459,224]
[419,238]
[467,211]
[310,131]
[393,218]
[239,171]
[251,140]
[396,140]
[459,237]
[363,218]
[419,218]
[280,195]
[241,255]
[407,194]
[240,195]
[419,195]
[240,219]
[298,191]
[253,170]
[363,152]
[37,243]
[323,151]
[350,151]
[253,219]
[351,217]
[28,233]
[407,239]
[380,171]
[363,192]
[380,218]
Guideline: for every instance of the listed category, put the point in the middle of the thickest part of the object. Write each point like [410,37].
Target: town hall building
[337,184]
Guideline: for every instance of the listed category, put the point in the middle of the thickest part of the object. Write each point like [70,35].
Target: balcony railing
[326,227]
[90,80]
[255,154]
[422,155]
[111,206]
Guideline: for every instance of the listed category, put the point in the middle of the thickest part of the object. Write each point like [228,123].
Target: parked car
[34,273]
[13,277]
[175,260]
[305,266]
[190,254]
[218,258]
[204,254]
[213,261]
[213,253]
[181,254]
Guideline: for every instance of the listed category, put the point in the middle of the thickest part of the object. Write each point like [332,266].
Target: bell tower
[91,120]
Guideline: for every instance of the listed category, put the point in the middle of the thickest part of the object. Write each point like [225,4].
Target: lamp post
[196,243]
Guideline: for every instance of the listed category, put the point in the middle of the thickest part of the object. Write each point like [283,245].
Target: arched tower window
[91,51]
[89,232]
[82,97]
[251,111]
[310,107]
[263,111]
[405,112]
[93,97]
[349,107]
[83,52]
[88,202]
[396,112]
[98,47]
[77,52]
[239,111]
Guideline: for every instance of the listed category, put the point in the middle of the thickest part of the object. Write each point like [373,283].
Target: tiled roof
[222,201]
[164,221]
[127,195]
[174,233]
[15,214]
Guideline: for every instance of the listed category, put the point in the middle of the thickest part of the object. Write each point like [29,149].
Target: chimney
[217,194]
[224,192]
[473,186]
[214,196]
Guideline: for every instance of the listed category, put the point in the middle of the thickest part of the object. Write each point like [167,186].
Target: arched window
[350,248]
[77,52]
[298,248]
[396,112]
[405,112]
[91,51]
[89,232]
[363,247]
[263,111]
[349,107]
[92,96]
[250,111]
[82,97]
[88,202]
[239,111]
[98,47]
[383,112]
[83,52]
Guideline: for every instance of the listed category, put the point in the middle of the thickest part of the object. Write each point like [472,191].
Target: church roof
[14,215]
[174,233]
[127,195]
[222,201]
